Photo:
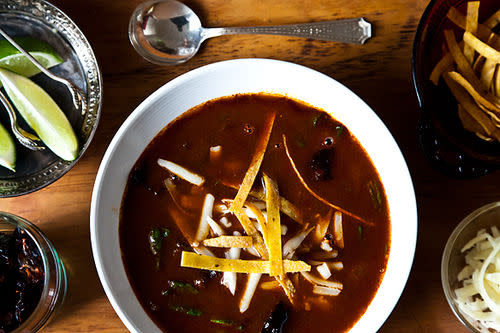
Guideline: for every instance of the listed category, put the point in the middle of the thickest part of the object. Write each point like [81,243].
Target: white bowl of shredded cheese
[470,270]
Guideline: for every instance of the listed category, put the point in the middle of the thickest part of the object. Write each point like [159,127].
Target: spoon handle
[354,31]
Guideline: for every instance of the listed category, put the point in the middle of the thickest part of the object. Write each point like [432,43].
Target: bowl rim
[94,93]
[445,259]
[391,292]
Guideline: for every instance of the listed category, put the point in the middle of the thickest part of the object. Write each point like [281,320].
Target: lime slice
[7,149]
[42,114]
[13,60]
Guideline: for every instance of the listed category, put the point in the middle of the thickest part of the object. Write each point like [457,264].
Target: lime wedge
[7,149]
[42,114]
[13,60]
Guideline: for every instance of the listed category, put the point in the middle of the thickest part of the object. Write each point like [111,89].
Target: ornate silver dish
[39,19]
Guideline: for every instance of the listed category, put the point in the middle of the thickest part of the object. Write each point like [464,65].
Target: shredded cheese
[478,297]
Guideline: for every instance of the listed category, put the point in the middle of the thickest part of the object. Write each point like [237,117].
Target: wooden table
[379,72]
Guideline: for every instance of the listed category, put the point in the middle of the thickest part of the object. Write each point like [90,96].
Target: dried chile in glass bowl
[32,276]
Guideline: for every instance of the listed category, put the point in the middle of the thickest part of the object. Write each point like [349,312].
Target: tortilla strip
[444,65]
[470,89]
[269,285]
[483,31]
[251,231]
[478,64]
[322,226]
[260,217]
[469,122]
[273,230]
[489,67]
[199,261]
[464,67]
[493,20]
[464,99]
[471,23]
[481,47]
[283,280]
[287,286]
[294,167]
[253,170]
[229,241]
[286,206]
[497,82]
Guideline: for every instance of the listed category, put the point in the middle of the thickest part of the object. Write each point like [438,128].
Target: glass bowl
[54,284]
[40,20]
[450,148]
[453,260]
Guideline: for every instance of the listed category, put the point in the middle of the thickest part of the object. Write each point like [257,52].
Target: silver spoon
[167,32]
[25,138]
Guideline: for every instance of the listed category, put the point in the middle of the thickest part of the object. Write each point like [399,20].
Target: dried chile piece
[30,275]
[321,164]
[138,175]
[21,278]
[277,320]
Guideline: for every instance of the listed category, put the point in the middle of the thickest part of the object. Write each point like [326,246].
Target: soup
[254,213]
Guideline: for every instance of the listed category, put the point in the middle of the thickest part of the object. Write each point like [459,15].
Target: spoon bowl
[167,32]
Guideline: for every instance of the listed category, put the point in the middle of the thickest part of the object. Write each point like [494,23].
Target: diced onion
[225,222]
[325,245]
[324,271]
[215,152]
[183,173]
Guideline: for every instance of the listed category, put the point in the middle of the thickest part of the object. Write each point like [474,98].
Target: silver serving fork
[27,139]
[79,100]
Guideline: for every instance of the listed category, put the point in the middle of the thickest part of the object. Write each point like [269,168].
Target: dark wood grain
[379,72]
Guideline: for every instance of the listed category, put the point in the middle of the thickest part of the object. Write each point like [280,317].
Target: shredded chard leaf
[315,120]
[155,239]
[183,309]
[226,322]
[375,194]
[339,129]
[183,286]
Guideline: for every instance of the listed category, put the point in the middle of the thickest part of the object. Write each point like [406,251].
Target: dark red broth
[235,123]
